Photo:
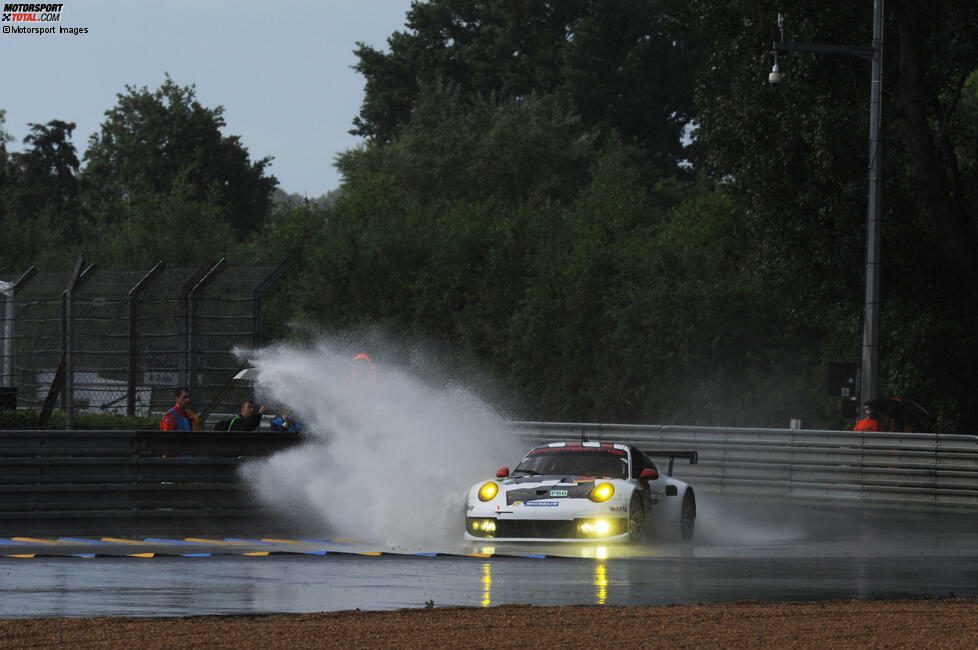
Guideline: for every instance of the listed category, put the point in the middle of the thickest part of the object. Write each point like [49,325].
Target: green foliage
[474,149]
[564,319]
[789,154]
[43,179]
[966,142]
[150,141]
[4,139]
[636,309]
[20,419]
[289,232]
[624,301]
[39,203]
[38,239]
[172,225]
[621,66]
[293,232]
[790,159]
[4,136]
[524,198]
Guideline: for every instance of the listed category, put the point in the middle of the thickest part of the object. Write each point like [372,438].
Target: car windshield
[576,462]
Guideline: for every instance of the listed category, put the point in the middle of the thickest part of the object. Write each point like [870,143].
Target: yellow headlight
[602,492]
[594,527]
[488,491]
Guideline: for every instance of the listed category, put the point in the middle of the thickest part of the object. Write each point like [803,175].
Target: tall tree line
[159,179]
[601,202]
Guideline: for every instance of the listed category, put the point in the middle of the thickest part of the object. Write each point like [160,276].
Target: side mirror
[502,473]
[649,474]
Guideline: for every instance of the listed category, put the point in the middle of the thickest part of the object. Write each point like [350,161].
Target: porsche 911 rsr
[564,491]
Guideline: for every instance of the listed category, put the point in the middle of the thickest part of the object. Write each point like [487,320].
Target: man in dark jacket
[249,419]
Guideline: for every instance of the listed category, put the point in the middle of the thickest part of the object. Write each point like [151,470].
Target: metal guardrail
[170,482]
[887,468]
[132,482]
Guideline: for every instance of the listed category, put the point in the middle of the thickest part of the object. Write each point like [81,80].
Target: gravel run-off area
[931,623]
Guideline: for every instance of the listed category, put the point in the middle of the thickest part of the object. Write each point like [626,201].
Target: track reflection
[486,584]
[798,553]
[600,583]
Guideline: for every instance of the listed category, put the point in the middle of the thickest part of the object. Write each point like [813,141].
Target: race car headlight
[487,526]
[602,492]
[594,527]
[488,491]
[481,527]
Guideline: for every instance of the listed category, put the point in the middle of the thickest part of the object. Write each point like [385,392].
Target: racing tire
[636,520]
[687,516]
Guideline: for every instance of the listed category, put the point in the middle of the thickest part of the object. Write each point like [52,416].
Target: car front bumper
[578,529]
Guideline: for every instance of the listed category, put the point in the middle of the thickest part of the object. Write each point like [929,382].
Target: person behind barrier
[249,418]
[285,422]
[363,376]
[180,418]
[869,423]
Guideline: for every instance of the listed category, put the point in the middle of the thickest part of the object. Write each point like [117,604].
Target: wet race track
[744,550]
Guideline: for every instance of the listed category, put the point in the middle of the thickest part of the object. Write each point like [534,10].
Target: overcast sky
[280,69]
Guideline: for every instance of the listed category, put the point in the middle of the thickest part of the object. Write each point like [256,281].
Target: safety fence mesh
[122,341]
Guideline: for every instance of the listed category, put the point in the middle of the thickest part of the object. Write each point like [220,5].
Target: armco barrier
[163,483]
[71,483]
[891,468]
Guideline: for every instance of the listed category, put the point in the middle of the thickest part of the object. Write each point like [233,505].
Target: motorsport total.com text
[31,13]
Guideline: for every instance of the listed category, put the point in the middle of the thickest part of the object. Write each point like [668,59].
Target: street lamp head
[776,77]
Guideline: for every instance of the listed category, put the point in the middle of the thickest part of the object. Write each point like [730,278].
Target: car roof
[586,446]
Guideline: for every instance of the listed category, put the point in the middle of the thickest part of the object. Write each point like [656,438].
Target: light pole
[869,367]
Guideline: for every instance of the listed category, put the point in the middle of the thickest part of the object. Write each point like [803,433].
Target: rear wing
[694,457]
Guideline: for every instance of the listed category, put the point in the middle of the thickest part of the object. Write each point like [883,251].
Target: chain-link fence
[122,341]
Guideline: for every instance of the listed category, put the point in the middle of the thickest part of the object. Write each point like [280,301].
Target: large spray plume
[388,453]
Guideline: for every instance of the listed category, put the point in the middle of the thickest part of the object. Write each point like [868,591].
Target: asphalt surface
[744,550]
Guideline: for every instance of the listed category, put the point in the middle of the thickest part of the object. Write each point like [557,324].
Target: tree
[39,212]
[4,139]
[173,225]
[790,157]
[474,149]
[149,139]
[44,178]
[39,240]
[517,195]
[621,66]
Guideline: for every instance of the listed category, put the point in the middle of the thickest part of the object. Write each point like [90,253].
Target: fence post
[256,297]
[183,313]
[7,325]
[68,397]
[133,333]
[6,330]
[192,324]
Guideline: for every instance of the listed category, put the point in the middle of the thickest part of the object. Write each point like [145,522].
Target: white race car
[573,491]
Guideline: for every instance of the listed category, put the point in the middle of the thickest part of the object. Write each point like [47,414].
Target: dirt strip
[938,623]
